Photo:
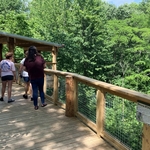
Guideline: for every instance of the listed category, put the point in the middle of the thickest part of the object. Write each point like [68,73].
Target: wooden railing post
[11,46]
[45,83]
[100,112]
[54,58]
[55,92]
[70,96]
[146,137]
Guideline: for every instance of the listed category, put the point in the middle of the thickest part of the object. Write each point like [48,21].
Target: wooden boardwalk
[23,128]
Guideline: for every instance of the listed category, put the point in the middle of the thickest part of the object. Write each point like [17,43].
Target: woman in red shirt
[34,65]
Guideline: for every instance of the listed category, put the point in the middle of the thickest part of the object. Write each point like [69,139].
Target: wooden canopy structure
[13,40]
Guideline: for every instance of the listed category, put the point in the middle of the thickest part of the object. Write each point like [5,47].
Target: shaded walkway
[23,128]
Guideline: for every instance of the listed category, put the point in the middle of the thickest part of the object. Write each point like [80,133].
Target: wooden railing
[72,81]
[71,107]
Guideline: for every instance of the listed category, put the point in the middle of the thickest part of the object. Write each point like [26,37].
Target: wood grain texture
[23,128]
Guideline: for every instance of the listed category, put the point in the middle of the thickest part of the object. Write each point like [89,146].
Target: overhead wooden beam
[42,48]
[29,39]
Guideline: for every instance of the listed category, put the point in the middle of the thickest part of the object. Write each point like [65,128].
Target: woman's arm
[21,68]
[13,69]
[14,73]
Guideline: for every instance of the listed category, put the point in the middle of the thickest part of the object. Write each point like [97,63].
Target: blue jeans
[37,84]
[26,79]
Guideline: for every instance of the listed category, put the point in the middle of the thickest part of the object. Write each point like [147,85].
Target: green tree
[15,5]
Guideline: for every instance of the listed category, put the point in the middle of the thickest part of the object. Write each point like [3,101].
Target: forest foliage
[102,41]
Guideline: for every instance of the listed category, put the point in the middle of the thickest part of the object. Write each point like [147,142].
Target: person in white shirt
[7,71]
[23,74]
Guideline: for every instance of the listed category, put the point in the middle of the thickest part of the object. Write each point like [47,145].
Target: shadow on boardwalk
[23,128]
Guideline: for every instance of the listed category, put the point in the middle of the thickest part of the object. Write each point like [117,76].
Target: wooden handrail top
[131,95]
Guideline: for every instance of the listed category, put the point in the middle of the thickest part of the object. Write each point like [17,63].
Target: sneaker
[1,99]
[25,96]
[31,99]
[11,100]
[36,107]
[43,105]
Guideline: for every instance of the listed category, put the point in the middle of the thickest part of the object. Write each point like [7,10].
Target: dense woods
[102,41]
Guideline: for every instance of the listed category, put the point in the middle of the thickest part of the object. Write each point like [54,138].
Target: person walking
[8,74]
[34,65]
[24,74]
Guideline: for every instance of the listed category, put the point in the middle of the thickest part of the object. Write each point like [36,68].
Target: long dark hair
[32,52]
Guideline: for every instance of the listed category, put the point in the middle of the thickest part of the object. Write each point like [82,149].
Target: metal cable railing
[87,101]
[121,123]
[61,90]
[120,116]
[49,82]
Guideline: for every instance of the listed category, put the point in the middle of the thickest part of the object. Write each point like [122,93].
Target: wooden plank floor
[23,128]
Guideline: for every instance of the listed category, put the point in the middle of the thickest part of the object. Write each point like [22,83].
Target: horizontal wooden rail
[112,89]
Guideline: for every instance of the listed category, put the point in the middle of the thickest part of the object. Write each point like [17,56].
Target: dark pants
[37,84]
[8,77]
